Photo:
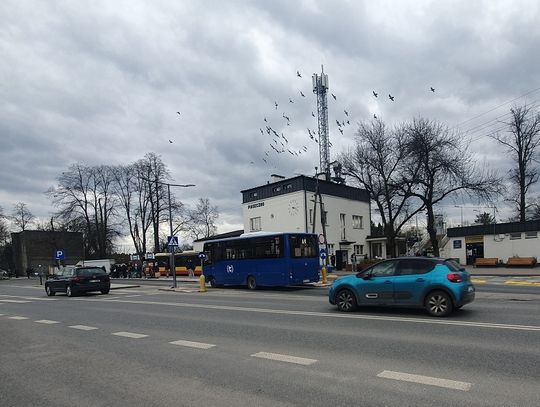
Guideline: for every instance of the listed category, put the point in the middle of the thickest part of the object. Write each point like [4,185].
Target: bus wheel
[251,283]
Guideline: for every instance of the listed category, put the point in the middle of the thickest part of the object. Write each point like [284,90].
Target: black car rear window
[89,272]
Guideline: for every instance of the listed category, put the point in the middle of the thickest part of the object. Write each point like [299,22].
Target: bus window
[303,246]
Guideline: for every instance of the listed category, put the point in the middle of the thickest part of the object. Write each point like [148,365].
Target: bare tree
[201,220]
[21,215]
[445,168]
[375,164]
[521,141]
[86,202]
[4,230]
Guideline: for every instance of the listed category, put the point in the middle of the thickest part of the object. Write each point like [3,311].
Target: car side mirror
[366,276]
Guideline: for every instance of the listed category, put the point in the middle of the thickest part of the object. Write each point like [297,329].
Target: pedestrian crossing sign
[172,240]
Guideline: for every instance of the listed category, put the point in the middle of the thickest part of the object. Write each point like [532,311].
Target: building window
[255,224]
[253,194]
[357,222]
[531,235]
[276,189]
[359,249]
[331,251]
[311,216]
[515,236]
[288,187]
[342,223]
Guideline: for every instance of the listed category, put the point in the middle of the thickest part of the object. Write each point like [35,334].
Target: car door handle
[420,280]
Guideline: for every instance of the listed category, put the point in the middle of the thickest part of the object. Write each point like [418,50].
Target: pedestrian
[155,270]
[29,271]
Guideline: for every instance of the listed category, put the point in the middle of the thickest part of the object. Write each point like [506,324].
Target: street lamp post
[172,249]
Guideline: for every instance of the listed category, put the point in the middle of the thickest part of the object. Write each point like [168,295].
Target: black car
[73,281]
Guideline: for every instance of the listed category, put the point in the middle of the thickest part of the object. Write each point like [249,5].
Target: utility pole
[320,88]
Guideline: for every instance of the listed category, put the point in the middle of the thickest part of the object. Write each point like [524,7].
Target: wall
[503,247]
[448,250]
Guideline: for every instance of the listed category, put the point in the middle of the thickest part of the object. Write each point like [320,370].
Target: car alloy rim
[68,291]
[438,304]
[345,301]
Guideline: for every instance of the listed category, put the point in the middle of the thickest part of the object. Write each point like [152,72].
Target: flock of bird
[280,144]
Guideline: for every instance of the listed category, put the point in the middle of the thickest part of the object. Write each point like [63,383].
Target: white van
[107,263]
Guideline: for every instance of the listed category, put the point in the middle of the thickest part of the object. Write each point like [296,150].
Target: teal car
[438,285]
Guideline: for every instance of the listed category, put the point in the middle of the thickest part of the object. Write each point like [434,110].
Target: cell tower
[320,88]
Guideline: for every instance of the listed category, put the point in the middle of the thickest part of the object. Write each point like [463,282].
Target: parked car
[438,285]
[73,281]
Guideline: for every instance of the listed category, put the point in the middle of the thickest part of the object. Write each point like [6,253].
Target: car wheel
[49,291]
[105,291]
[69,291]
[251,283]
[346,301]
[439,304]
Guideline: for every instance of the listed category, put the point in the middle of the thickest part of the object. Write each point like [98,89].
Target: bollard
[202,284]
[324,275]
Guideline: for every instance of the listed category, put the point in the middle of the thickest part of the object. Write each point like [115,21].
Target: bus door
[304,259]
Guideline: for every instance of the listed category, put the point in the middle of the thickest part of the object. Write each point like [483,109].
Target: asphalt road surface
[231,347]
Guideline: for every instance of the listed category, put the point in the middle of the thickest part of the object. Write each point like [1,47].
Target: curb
[124,286]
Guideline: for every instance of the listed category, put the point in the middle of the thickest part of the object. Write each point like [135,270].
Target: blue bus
[263,259]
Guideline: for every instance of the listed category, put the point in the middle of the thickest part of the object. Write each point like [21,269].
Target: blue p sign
[59,255]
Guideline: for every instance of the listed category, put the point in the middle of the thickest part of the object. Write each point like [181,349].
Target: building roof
[303,183]
[495,229]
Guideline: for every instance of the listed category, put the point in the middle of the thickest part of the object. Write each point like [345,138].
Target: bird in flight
[265,120]
[375,94]
[374,116]
[341,130]
[290,100]
[178,113]
[302,94]
[346,113]
[170,141]
[338,123]
[348,122]
[334,96]
[391,97]
[275,103]
[432,89]
[313,114]
[262,131]
[298,74]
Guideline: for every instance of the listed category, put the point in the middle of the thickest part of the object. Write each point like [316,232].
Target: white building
[501,241]
[288,205]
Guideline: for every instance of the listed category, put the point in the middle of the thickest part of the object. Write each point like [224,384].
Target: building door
[474,246]
[341,259]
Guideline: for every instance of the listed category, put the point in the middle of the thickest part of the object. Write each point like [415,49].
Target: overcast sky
[100,82]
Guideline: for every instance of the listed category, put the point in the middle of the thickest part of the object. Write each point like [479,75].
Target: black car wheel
[251,283]
[49,291]
[439,304]
[69,291]
[105,291]
[346,301]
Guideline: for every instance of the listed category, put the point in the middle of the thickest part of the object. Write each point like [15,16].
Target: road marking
[478,281]
[284,358]
[131,296]
[18,318]
[46,321]
[189,344]
[130,335]
[331,315]
[431,381]
[14,301]
[522,283]
[25,297]
[83,327]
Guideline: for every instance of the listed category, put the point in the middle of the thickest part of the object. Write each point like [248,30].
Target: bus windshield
[303,246]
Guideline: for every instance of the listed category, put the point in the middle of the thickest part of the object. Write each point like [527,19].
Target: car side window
[409,267]
[384,269]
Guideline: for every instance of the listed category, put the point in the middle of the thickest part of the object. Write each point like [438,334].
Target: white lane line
[46,321]
[18,318]
[130,335]
[431,381]
[14,301]
[25,297]
[198,345]
[83,327]
[284,358]
[329,315]
[131,296]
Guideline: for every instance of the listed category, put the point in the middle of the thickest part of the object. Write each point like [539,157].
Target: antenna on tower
[320,88]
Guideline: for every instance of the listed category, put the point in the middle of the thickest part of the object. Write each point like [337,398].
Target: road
[283,347]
